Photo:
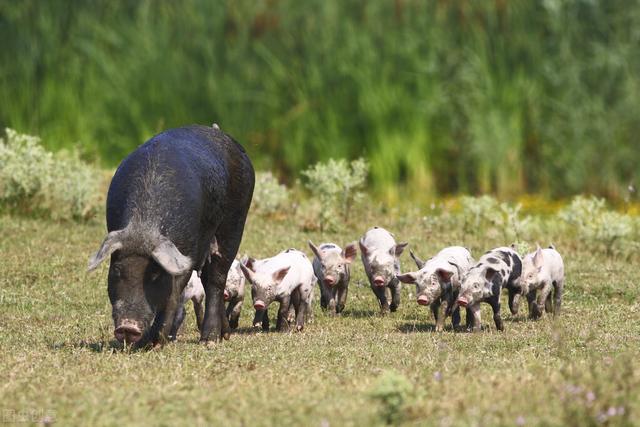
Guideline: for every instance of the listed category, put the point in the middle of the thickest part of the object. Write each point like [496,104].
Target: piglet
[543,271]
[332,267]
[380,256]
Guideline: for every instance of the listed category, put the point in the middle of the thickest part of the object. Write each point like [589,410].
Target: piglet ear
[349,253]
[399,248]
[171,259]
[314,249]
[444,274]
[363,248]
[247,272]
[407,277]
[110,244]
[420,263]
[279,275]
[538,258]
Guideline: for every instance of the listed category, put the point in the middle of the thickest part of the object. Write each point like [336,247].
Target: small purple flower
[437,375]
[520,421]
[612,411]
[591,396]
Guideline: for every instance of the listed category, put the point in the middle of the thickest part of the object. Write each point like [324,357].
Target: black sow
[177,203]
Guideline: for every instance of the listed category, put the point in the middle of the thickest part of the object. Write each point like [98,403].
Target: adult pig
[543,271]
[438,282]
[177,203]
[380,256]
[332,267]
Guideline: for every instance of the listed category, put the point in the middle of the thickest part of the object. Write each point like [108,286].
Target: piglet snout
[462,301]
[329,281]
[128,331]
[226,295]
[423,300]
[378,281]
[258,305]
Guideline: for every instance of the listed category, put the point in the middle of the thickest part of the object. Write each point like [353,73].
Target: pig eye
[115,271]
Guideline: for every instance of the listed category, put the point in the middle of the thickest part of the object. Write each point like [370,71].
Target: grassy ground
[58,362]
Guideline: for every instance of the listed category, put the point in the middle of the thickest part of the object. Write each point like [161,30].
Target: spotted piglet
[380,256]
[499,268]
[438,282]
[234,292]
[543,271]
[332,267]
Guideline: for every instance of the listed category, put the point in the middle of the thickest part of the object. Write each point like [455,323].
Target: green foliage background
[442,96]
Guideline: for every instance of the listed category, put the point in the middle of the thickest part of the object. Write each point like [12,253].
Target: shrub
[336,184]
[485,213]
[392,392]
[35,181]
[269,196]
[597,226]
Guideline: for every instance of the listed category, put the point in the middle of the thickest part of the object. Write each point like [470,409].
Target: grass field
[60,364]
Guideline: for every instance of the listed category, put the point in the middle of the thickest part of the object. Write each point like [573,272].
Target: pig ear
[247,272]
[110,244]
[349,253]
[444,274]
[490,273]
[278,275]
[418,261]
[398,249]
[363,248]
[457,270]
[169,257]
[537,257]
[407,277]
[314,249]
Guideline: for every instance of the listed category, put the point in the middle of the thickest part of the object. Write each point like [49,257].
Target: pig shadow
[361,314]
[411,327]
[94,346]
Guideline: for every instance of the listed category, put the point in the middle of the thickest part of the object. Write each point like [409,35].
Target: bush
[485,213]
[597,226]
[269,196]
[35,181]
[392,392]
[336,186]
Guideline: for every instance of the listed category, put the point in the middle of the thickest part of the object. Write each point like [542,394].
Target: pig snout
[378,281]
[258,305]
[226,295]
[129,332]
[423,300]
[329,281]
[462,301]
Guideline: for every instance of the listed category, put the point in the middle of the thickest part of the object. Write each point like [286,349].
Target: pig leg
[234,313]
[455,318]
[542,296]
[557,296]
[531,301]
[442,314]
[469,318]
[324,299]
[177,321]
[434,309]
[198,308]
[395,296]
[477,321]
[514,301]
[282,323]
[165,319]
[380,293]
[265,321]
[301,311]
[548,303]
[214,278]
[332,301]
[495,305]
[342,299]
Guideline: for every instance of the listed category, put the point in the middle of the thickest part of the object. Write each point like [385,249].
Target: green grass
[57,355]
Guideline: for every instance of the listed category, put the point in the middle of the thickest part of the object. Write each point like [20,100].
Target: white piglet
[380,256]
[194,291]
[543,271]
[286,278]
